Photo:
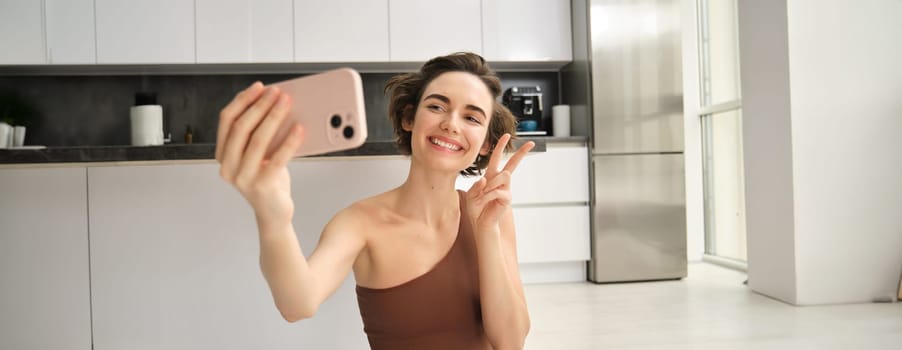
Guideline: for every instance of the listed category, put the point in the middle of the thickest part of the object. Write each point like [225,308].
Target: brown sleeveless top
[437,310]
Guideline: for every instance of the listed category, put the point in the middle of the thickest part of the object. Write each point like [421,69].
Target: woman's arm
[300,285]
[246,128]
[504,313]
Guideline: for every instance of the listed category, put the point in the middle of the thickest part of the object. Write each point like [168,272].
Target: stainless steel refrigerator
[638,199]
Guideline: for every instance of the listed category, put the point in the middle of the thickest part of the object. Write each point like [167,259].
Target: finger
[231,112]
[500,197]
[499,181]
[240,132]
[286,151]
[497,154]
[262,137]
[514,161]
[477,187]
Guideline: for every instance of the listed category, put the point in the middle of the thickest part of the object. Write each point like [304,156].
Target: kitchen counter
[125,153]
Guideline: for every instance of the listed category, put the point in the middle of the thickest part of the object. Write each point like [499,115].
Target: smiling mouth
[443,144]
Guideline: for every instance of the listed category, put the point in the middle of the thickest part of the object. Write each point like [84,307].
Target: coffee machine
[525,102]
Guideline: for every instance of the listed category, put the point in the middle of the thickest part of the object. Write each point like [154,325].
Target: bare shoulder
[366,213]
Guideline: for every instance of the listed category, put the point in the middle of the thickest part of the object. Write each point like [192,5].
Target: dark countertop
[125,153]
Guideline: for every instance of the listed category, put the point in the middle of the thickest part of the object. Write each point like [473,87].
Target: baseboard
[737,265]
[553,272]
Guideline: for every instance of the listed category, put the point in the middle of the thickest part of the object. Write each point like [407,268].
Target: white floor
[710,309]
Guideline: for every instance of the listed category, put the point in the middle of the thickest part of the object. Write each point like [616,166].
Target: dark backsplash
[94,110]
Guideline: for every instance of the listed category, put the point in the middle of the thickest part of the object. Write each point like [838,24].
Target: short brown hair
[407,90]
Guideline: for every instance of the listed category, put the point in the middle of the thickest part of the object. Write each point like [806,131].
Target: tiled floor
[711,309]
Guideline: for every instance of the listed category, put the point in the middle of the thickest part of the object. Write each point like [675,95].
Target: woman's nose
[449,124]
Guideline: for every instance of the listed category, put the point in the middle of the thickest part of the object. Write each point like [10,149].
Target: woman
[435,267]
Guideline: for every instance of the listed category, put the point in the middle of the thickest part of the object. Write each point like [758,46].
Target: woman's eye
[434,107]
[473,119]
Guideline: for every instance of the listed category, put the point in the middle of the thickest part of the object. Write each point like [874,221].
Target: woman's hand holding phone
[247,125]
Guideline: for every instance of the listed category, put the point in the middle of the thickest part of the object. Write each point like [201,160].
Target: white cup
[18,136]
[6,135]
[147,125]
[560,120]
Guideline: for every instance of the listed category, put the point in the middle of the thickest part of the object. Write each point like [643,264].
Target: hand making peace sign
[490,197]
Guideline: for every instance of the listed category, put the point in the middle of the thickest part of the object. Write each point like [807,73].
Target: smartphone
[329,105]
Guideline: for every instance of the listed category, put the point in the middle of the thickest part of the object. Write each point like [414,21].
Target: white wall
[821,82]
[845,61]
[763,51]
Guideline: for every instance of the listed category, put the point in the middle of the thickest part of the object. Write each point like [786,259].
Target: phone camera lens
[335,121]
[348,132]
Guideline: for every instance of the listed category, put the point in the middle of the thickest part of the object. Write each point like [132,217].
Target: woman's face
[451,121]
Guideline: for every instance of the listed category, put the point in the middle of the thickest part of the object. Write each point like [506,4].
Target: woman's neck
[428,196]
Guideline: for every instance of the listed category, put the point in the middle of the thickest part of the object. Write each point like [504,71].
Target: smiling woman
[407,92]
[412,248]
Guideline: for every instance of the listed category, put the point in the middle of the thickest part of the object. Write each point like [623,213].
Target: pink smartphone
[330,107]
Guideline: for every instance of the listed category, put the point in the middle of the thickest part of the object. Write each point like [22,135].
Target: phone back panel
[316,102]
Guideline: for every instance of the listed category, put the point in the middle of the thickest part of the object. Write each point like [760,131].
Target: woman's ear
[486,147]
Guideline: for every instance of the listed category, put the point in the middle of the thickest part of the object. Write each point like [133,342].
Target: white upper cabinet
[526,30]
[422,29]
[145,31]
[70,31]
[341,31]
[22,32]
[244,31]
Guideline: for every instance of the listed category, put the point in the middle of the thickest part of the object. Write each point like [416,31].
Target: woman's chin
[452,165]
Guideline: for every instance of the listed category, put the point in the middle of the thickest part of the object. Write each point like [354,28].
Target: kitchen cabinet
[422,29]
[145,31]
[174,256]
[526,30]
[341,31]
[551,214]
[45,301]
[552,233]
[559,175]
[550,193]
[70,31]
[244,31]
[22,32]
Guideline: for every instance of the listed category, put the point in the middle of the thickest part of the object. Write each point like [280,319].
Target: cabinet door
[341,30]
[145,31]
[175,257]
[552,234]
[22,32]
[526,30]
[45,301]
[244,31]
[70,31]
[422,29]
[559,175]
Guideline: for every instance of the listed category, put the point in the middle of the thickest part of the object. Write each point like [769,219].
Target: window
[721,131]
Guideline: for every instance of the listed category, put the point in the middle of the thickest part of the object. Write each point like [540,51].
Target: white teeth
[444,144]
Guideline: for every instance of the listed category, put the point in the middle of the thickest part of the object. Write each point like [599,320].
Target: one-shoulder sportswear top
[437,310]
